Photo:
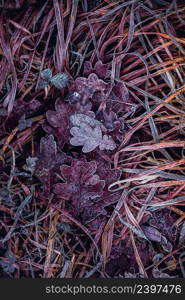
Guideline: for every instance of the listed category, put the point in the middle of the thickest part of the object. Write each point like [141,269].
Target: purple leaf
[152,233]
[99,69]
[48,161]
[60,122]
[22,107]
[89,134]
[87,87]
[86,136]
[107,143]
[30,164]
[24,123]
[82,185]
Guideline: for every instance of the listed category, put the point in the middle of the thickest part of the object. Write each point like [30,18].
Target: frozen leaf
[107,198]
[109,119]
[46,74]
[77,120]
[116,98]
[152,233]
[87,87]
[106,172]
[60,80]
[23,123]
[48,151]
[60,121]
[23,107]
[48,161]
[89,134]
[86,136]
[82,185]
[99,69]
[107,143]
[112,121]
[120,91]
[73,97]
[30,164]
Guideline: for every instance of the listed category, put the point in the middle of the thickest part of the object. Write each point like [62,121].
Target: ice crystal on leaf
[100,69]
[88,87]
[88,134]
[86,187]
[59,80]
[49,159]
[82,186]
[46,74]
[59,120]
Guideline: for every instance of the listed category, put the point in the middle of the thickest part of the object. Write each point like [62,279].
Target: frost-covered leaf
[24,123]
[87,87]
[164,222]
[89,134]
[48,161]
[152,233]
[86,136]
[30,164]
[46,74]
[103,171]
[60,80]
[107,143]
[28,108]
[82,185]
[99,69]
[59,120]
[73,97]
[77,120]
